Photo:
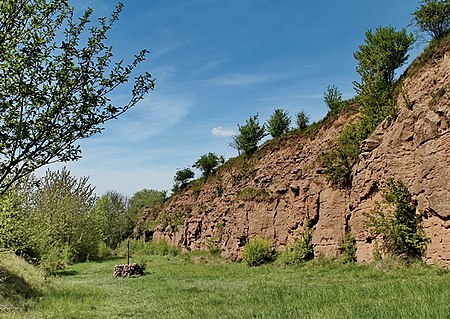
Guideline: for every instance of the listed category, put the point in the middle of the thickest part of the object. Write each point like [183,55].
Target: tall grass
[20,284]
[153,247]
[175,288]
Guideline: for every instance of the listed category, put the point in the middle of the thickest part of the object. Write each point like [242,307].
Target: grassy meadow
[207,287]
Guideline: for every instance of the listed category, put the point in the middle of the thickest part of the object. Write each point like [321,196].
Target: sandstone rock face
[272,196]
[277,193]
[414,148]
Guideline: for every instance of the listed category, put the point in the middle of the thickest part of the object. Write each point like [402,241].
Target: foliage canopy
[181,178]
[433,17]
[278,123]
[333,99]
[208,163]
[56,79]
[399,226]
[302,120]
[249,136]
[384,51]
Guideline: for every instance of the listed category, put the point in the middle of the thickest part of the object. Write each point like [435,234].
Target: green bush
[208,163]
[249,136]
[278,124]
[55,258]
[302,121]
[301,250]
[182,178]
[257,252]
[348,248]
[60,214]
[339,162]
[399,225]
[333,99]
[13,230]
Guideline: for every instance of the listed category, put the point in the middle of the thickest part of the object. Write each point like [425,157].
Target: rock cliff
[275,193]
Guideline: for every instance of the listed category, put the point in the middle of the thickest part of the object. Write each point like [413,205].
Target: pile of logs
[127,270]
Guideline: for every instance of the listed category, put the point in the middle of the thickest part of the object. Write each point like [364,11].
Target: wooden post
[128,251]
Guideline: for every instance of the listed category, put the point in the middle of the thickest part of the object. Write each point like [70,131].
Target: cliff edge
[280,190]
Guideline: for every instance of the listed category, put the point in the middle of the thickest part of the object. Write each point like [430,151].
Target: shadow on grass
[14,288]
[107,259]
[64,273]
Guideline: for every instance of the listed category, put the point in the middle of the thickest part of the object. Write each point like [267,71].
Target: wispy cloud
[239,79]
[210,65]
[222,132]
[247,79]
[151,117]
[154,116]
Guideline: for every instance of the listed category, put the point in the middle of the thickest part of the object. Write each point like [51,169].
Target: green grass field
[177,287]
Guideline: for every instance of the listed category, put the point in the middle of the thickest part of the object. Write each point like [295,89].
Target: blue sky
[217,63]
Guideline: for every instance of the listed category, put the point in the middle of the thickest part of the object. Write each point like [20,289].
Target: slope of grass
[20,284]
[176,288]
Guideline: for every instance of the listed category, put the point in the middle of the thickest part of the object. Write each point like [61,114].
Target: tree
[333,99]
[13,229]
[148,199]
[113,219]
[56,79]
[60,219]
[302,120]
[249,136]
[385,50]
[433,17]
[181,178]
[278,124]
[208,163]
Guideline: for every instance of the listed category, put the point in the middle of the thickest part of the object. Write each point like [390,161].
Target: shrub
[302,120]
[249,136]
[257,252]
[182,178]
[348,248]
[208,163]
[278,124]
[13,230]
[55,258]
[148,199]
[302,250]
[399,226]
[333,99]
[337,164]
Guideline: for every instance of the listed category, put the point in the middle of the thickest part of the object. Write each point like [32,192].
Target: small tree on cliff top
[208,163]
[249,136]
[278,124]
[181,178]
[433,17]
[56,79]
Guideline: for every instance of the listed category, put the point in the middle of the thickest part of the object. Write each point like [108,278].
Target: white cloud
[222,132]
